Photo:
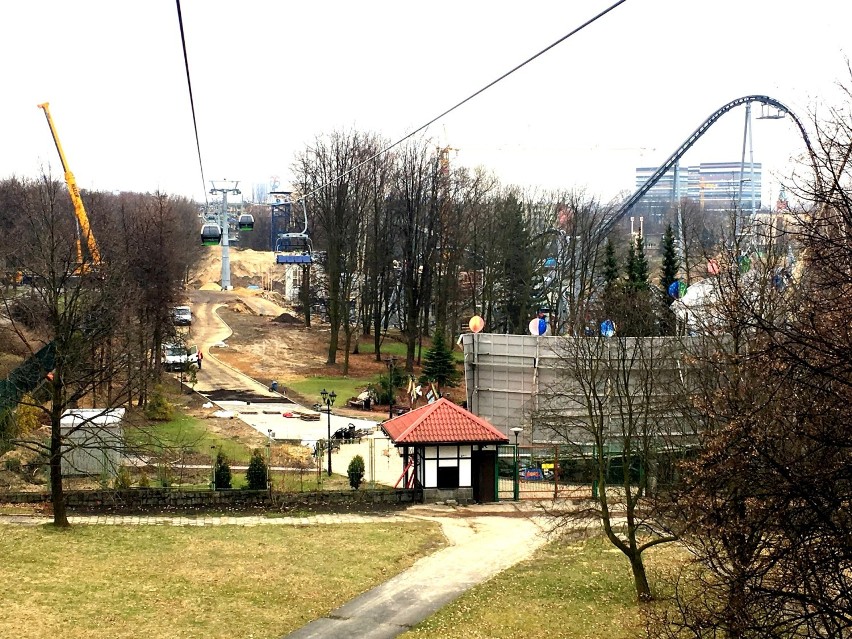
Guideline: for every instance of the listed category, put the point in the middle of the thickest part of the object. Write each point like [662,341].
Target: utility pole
[223,222]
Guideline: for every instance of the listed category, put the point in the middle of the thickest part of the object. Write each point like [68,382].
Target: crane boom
[74,191]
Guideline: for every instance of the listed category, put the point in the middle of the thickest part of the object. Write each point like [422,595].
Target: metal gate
[539,472]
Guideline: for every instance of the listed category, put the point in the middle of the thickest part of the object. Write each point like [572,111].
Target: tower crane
[77,201]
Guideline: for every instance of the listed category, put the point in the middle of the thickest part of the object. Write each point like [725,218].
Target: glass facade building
[715,186]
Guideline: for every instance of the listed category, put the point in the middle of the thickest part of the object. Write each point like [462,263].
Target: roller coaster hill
[782,110]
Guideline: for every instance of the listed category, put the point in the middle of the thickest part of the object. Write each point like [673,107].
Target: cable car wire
[468,98]
[192,104]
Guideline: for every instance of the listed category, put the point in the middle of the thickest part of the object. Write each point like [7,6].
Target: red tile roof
[441,422]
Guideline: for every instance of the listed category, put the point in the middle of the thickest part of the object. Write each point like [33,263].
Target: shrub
[122,480]
[27,416]
[356,471]
[144,482]
[158,408]
[256,472]
[222,473]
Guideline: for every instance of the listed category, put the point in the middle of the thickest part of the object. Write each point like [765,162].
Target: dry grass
[580,590]
[120,582]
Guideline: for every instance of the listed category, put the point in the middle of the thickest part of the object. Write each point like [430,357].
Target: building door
[484,479]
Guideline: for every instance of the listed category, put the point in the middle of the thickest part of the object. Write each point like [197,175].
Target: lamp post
[213,468]
[517,430]
[269,459]
[328,400]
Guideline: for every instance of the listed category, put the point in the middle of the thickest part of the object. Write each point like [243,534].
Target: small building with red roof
[447,451]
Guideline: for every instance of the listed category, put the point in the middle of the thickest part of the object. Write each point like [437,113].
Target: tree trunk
[57,498]
[640,579]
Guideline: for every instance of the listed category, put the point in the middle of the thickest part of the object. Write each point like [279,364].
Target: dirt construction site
[270,340]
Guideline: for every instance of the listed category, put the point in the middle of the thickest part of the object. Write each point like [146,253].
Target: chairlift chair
[211,234]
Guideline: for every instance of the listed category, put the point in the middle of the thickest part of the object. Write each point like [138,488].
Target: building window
[448,477]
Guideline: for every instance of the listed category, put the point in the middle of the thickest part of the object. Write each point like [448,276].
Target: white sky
[268,76]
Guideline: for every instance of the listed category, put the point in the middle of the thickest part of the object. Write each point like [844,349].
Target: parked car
[178,357]
[531,474]
[182,316]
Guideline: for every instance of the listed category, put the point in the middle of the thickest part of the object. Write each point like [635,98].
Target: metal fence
[542,472]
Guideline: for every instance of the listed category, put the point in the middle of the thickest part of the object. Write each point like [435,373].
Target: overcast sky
[269,76]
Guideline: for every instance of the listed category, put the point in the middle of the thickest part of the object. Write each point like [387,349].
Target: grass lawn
[184,432]
[344,387]
[573,590]
[120,582]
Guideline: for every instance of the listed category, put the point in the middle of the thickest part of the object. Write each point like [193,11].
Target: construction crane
[74,191]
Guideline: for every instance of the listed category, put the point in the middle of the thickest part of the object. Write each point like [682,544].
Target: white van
[177,357]
[182,316]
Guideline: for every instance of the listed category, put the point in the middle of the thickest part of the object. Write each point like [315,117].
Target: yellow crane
[74,191]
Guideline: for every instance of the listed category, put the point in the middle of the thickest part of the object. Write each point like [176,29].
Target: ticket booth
[447,451]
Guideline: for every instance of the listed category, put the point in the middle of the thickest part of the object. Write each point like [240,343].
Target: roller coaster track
[628,204]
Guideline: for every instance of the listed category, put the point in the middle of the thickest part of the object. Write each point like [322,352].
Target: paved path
[481,546]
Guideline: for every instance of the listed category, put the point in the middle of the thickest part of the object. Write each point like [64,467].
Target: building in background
[714,186]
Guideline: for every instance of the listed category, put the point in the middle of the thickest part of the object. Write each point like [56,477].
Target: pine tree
[671,263]
[668,275]
[637,275]
[256,473]
[222,472]
[610,272]
[439,366]
[638,318]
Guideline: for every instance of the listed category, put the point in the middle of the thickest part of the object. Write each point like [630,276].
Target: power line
[192,104]
[468,98]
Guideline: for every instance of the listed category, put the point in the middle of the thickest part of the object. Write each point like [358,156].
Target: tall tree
[764,500]
[333,171]
[609,410]
[414,200]
[671,263]
[72,313]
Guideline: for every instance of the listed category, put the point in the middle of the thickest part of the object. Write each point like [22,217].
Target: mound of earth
[247,266]
[286,318]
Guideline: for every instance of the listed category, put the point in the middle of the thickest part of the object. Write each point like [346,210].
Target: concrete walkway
[480,547]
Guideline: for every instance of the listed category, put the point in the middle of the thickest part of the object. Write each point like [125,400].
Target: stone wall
[157,500]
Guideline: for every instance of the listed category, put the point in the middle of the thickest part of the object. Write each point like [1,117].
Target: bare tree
[334,174]
[764,502]
[414,204]
[611,410]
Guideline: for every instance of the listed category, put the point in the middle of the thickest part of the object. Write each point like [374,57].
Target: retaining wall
[144,500]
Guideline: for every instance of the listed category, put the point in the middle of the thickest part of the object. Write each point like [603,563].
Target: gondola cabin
[211,234]
[245,222]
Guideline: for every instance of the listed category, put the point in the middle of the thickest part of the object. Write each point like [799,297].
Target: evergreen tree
[668,275]
[356,471]
[671,263]
[610,272]
[613,293]
[638,318]
[517,264]
[222,472]
[439,366]
[637,266]
[256,473]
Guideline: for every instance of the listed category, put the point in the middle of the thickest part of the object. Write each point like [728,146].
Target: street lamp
[517,430]
[269,459]
[213,467]
[328,400]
